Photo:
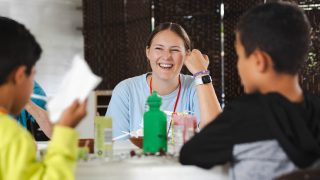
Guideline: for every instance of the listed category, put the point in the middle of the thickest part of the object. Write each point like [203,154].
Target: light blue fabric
[24,115]
[128,102]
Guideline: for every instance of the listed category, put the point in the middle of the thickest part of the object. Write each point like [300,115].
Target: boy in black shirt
[275,128]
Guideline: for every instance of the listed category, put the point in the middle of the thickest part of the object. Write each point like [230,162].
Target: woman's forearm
[41,116]
[209,104]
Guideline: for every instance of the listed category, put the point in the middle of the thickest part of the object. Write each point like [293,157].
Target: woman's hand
[196,61]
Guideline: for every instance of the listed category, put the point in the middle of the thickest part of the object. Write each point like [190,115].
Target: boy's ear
[19,75]
[263,60]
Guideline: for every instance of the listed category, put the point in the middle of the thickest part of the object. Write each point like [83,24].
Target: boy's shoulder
[309,97]
[246,108]
[254,99]
[10,129]
[257,103]
[248,100]
[8,122]
[254,104]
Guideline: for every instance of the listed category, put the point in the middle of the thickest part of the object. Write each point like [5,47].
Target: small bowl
[138,141]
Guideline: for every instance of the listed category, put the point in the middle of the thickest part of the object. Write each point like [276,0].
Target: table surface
[144,167]
[125,167]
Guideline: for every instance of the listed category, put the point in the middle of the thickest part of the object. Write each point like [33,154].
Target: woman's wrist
[202,79]
[201,73]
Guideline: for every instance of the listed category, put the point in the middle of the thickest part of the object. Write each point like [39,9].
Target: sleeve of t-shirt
[213,145]
[118,109]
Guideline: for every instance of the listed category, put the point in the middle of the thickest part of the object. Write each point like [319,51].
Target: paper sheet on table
[78,82]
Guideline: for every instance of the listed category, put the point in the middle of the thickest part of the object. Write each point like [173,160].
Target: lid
[154,100]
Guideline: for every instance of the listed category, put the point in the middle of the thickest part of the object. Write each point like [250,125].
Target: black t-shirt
[257,117]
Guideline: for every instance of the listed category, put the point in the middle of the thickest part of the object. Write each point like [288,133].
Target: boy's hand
[196,61]
[74,114]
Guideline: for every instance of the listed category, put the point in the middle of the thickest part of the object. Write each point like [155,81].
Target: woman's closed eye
[175,50]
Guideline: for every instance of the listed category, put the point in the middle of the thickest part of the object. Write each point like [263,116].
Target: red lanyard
[175,104]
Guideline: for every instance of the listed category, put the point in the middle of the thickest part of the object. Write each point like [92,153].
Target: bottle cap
[154,100]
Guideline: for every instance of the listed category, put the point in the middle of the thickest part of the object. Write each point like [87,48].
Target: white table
[140,168]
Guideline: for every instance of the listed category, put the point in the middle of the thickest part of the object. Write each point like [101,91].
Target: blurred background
[56,25]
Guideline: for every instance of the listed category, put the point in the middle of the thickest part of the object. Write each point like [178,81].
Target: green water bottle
[155,126]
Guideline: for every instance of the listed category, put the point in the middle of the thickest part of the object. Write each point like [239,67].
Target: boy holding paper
[19,52]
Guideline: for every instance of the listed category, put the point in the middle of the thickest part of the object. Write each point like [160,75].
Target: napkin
[78,82]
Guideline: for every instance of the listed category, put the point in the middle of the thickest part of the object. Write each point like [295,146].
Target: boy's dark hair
[280,29]
[174,27]
[18,47]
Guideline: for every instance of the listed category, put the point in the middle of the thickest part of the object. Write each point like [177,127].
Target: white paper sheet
[78,82]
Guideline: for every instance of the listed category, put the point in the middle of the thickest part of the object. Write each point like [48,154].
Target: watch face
[206,79]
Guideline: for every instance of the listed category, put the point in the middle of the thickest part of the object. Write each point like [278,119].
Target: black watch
[203,80]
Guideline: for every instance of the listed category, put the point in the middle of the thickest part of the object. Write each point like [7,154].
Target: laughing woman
[168,49]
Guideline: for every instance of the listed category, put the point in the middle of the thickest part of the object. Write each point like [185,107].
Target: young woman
[168,49]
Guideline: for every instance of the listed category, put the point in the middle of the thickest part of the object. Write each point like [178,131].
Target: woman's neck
[163,87]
